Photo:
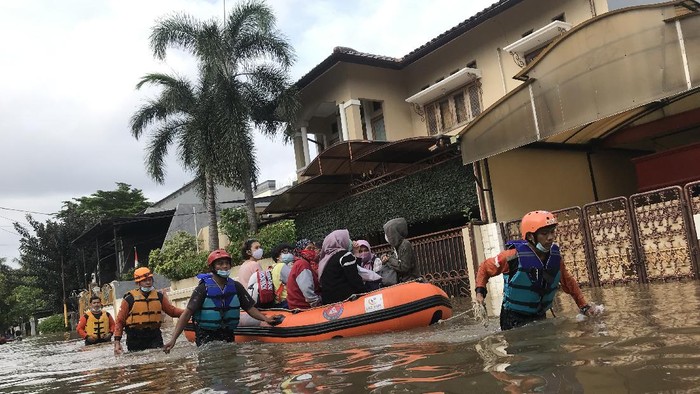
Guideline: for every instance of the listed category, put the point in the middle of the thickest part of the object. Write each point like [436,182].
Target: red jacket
[302,274]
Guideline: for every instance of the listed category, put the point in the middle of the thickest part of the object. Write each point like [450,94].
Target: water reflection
[648,341]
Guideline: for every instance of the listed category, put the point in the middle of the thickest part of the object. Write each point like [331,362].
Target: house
[556,104]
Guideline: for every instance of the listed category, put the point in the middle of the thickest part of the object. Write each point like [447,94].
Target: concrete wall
[529,179]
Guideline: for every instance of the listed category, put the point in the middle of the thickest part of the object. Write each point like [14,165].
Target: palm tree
[184,114]
[245,63]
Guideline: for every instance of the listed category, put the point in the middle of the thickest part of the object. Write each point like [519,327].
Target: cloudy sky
[68,70]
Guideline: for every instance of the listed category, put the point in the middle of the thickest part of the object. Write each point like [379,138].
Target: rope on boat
[479,311]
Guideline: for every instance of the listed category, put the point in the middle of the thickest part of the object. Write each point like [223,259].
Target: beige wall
[527,179]
[614,174]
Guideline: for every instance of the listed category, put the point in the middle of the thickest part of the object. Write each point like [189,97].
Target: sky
[68,71]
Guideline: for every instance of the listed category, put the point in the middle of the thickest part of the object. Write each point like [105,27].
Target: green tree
[234,223]
[178,258]
[185,114]
[123,201]
[244,66]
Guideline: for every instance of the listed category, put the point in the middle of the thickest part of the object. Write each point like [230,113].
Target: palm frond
[179,30]
[158,148]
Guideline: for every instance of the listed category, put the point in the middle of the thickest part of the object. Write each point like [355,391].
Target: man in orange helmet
[532,271]
[215,304]
[140,315]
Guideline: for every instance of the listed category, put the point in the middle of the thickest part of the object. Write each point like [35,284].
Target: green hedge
[55,323]
[438,192]
[269,235]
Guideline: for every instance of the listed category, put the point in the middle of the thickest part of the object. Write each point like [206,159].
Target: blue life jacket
[221,309]
[531,286]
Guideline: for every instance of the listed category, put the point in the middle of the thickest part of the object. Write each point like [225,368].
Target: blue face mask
[541,248]
[287,258]
[223,273]
[146,289]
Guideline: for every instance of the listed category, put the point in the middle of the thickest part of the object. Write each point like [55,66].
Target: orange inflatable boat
[396,308]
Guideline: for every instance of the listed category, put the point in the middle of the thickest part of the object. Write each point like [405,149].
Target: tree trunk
[249,201]
[211,209]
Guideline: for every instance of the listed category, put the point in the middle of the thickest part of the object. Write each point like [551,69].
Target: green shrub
[51,324]
[234,223]
[276,233]
[269,236]
[178,258]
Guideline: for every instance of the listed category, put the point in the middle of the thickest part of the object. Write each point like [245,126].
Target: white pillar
[305,145]
[343,122]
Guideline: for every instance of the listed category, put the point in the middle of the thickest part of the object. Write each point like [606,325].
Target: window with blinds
[454,109]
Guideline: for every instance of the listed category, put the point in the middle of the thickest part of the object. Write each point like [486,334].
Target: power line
[25,211]
[11,232]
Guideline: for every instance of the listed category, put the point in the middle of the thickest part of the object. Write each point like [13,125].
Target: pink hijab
[337,241]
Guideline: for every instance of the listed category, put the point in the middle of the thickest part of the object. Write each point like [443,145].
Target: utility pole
[65,303]
[196,232]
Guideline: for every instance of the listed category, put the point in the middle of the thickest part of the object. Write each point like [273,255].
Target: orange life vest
[97,327]
[145,313]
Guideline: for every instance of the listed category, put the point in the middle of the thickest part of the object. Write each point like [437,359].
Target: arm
[179,327]
[111,323]
[405,261]
[571,287]
[349,264]
[120,322]
[492,267]
[248,305]
[81,327]
[305,281]
[170,309]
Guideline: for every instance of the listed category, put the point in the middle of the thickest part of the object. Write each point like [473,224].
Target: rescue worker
[140,315]
[532,271]
[215,304]
[96,326]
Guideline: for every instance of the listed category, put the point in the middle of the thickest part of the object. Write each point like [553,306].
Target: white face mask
[541,248]
[287,258]
[147,289]
[96,309]
[258,253]
[223,273]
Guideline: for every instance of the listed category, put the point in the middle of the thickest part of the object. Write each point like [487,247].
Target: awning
[599,76]
[342,168]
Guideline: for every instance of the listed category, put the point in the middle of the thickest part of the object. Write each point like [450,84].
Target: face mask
[146,289]
[258,253]
[223,273]
[350,247]
[287,258]
[366,257]
[541,248]
[96,310]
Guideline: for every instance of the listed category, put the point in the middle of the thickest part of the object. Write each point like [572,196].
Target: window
[378,129]
[454,109]
[530,56]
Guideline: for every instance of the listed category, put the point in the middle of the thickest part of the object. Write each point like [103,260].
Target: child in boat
[284,258]
[337,269]
[303,288]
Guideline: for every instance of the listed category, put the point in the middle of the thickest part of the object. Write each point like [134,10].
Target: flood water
[648,340]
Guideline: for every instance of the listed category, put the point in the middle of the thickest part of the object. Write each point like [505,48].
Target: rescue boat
[395,308]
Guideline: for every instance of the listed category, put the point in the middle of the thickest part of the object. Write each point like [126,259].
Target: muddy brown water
[647,341]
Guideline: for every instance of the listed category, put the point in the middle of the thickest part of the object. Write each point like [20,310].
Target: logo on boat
[333,312]
[374,303]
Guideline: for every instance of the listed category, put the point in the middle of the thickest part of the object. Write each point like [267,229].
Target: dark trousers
[89,341]
[148,338]
[511,319]
[203,336]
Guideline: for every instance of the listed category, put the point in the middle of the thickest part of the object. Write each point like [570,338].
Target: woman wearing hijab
[338,268]
[384,275]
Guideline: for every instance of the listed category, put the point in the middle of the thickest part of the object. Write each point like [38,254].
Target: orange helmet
[535,220]
[142,273]
[218,254]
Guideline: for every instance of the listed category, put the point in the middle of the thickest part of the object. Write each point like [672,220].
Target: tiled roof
[349,55]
